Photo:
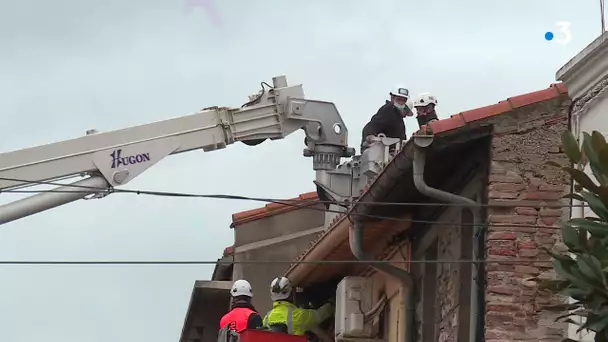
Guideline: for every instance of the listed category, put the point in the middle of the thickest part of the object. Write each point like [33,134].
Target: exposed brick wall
[523,141]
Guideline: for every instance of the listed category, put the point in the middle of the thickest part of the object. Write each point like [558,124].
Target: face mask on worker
[426,114]
[400,106]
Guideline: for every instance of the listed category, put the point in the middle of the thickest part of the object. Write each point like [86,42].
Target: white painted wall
[595,119]
[585,76]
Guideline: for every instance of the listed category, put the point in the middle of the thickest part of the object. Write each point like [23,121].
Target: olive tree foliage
[582,270]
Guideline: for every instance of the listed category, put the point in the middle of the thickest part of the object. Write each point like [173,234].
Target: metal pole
[602,16]
[54,198]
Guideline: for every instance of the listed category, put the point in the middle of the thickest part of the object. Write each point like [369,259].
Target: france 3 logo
[564,35]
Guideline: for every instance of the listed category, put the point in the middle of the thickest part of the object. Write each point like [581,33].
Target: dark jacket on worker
[242,316]
[387,120]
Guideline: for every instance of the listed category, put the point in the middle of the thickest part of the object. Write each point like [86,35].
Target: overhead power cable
[265,262]
[400,219]
[291,201]
[299,203]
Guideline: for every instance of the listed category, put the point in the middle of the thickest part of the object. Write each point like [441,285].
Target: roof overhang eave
[338,232]
[395,170]
[200,286]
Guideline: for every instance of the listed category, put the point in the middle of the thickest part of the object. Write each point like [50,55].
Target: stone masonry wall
[448,280]
[523,141]
[438,306]
[445,305]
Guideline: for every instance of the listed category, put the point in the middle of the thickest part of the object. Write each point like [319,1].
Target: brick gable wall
[523,141]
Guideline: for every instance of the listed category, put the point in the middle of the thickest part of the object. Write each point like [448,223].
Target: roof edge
[587,68]
[298,271]
[461,119]
[303,200]
[228,251]
[198,285]
[201,285]
[586,53]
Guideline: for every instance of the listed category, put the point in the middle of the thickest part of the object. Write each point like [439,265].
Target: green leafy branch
[582,271]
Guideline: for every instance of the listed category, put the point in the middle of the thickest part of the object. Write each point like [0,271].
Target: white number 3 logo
[564,29]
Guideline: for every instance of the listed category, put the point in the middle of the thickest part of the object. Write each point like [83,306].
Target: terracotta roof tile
[485,112]
[228,250]
[461,119]
[561,87]
[273,209]
[457,121]
[534,97]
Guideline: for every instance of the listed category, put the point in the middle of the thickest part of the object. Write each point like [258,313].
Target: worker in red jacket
[242,315]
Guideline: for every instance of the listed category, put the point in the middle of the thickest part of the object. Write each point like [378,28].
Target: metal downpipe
[355,237]
[420,145]
[443,196]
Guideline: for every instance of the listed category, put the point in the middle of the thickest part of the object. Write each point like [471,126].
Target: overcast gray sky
[71,65]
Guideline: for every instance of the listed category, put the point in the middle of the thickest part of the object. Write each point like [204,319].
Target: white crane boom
[114,158]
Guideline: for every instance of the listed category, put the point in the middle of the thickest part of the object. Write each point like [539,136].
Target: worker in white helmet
[286,317]
[242,314]
[425,105]
[389,118]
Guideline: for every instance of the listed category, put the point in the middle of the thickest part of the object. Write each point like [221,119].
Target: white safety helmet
[280,289]
[400,91]
[410,104]
[424,99]
[241,288]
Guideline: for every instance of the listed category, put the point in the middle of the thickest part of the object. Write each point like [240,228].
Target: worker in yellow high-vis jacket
[286,317]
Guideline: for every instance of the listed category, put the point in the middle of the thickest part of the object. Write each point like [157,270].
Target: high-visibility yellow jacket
[298,320]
